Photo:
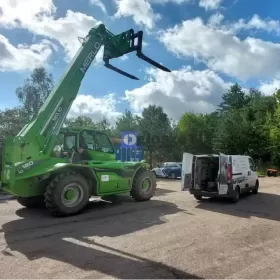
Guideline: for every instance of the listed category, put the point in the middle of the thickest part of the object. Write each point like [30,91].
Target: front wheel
[67,194]
[173,176]
[144,185]
[256,188]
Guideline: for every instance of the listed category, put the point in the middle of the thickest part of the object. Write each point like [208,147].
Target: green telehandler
[64,183]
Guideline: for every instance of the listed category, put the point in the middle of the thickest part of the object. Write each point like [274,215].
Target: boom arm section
[37,139]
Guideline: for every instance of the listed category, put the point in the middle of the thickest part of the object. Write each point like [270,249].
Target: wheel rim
[172,176]
[146,185]
[72,194]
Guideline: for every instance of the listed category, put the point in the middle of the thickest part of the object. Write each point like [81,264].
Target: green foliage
[35,91]
[155,133]
[126,122]
[11,122]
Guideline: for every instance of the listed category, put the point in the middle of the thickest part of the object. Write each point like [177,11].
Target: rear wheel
[31,202]
[144,185]
[67,194]
[197,197]
[236,196]
[256,188]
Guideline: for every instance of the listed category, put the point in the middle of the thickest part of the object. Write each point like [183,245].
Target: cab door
[187,173]
[252,173]
[223,174]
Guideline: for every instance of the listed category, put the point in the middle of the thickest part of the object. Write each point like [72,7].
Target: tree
[196,132]
[11,122]
[243,129]
[126,122]
[155,131]
[234,98]
[104,125]
[81,121]
[35,90]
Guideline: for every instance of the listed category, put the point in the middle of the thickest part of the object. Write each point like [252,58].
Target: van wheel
[236,195]
[256,188]
[197,197]
[173,175]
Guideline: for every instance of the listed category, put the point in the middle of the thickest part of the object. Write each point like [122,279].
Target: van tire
[256,188]
[236,196]
[197,197]
[173,176]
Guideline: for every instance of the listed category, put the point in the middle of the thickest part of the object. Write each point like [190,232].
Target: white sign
[105,178]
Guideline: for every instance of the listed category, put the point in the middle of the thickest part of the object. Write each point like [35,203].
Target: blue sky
[208,44]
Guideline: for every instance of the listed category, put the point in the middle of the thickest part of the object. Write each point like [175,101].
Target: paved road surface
[171,236]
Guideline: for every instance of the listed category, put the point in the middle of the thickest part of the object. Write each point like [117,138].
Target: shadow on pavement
[262,205]
[161,192]
[71,240]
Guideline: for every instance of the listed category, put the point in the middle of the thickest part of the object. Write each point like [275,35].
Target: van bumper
[230,192]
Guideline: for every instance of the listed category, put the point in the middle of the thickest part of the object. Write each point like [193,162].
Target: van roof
[216,155]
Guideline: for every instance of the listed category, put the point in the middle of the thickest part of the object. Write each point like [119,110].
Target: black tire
[172,176]
[197,197]
[31,202]
[236,197]
[54,200]
[256,188]
[137,192]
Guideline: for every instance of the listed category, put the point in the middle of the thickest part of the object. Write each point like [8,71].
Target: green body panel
[28,160]
[110,177]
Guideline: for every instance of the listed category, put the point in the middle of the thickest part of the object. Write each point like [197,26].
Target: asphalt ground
[171,236]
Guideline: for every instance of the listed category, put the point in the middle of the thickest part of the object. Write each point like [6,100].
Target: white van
[219,175]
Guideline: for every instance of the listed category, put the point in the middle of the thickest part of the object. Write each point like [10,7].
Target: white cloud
[23,57]
[96,108]
[256,23]
[140,10]
[269,87]
[99,4]
[38,16]
[215,19]
[179,91]
[210,4]
[169,1]
[17,12]
[221,51]
[65,30]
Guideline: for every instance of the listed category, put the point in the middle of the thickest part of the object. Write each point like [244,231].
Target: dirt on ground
[171,236]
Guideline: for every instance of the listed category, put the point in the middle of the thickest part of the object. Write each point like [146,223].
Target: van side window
[252,165]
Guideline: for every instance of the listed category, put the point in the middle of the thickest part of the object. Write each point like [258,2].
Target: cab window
[103,143]
[252,165]
[69,142]
[86,140]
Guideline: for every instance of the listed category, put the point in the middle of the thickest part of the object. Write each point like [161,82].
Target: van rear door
[188,163]
[223,171]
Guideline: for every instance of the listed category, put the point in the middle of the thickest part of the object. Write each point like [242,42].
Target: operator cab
[95,144]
